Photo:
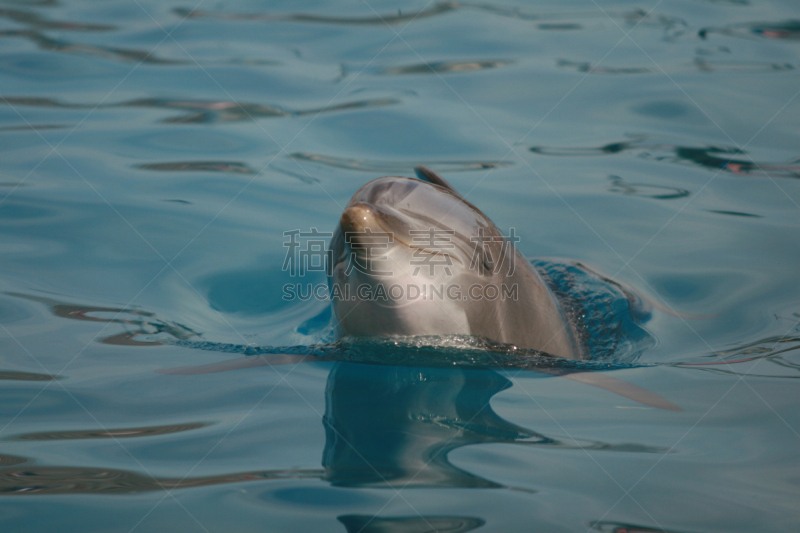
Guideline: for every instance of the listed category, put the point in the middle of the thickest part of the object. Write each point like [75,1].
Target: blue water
[154,154]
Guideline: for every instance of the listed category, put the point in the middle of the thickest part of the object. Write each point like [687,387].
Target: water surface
[154,154]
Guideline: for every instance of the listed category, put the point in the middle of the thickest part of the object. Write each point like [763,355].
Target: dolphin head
[404,254]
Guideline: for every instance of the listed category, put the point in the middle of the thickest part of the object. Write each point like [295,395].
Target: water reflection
[414,524]
[558,21]
[395,18]
[232,167]
[29,480]
[734,213]
[645,190]
[618,527]
[609,315]
[672,27]
[118,433]
[32,19]
[395,426]
[385,426]
[106,52]
[788,30]
[32,127]
[208,111]
[445,66]
[34,23]
[453,353]
[713,157]
[387,167]
[10,460]
[708,66]
[11,375]
[774,349]
[38,3]
[222,111]
[588,68]
[204,111]
[563,26]
[135,321]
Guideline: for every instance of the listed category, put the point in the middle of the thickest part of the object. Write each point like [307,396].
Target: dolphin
[413,257]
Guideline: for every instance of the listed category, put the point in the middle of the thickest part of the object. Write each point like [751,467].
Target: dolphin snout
[361,228]
[364,224]
[358,217]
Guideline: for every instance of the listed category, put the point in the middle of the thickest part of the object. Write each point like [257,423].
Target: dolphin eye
[393,221]
[388,191]
[487,264]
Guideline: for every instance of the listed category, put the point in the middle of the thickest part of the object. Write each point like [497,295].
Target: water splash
[430,351]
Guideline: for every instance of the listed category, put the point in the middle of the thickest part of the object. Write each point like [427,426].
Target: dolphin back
[426,174]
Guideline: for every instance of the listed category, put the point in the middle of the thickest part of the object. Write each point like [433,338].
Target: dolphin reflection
[385,427]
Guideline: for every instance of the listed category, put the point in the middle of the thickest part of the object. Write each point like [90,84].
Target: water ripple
[105,52]
[354,523]
[785,30]
[33,127]
[445,66]
[394,166]
[646,190]
[588,68]
[204,111]
[619,527]
[10,460]
[556,21]
[135,321]
[712,157]
[711,66]
[773,349]
[118,433]
[33,20]
[89,480]
[25,376]
[396,18]
[232,167]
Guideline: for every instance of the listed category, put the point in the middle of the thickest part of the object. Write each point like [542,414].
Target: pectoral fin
[623,388]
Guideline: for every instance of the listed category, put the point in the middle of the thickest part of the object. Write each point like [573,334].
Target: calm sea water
[154,154]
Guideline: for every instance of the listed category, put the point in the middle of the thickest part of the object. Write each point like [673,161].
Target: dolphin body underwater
[428,238]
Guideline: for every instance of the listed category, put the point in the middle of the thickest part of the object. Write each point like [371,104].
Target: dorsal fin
[426,174]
